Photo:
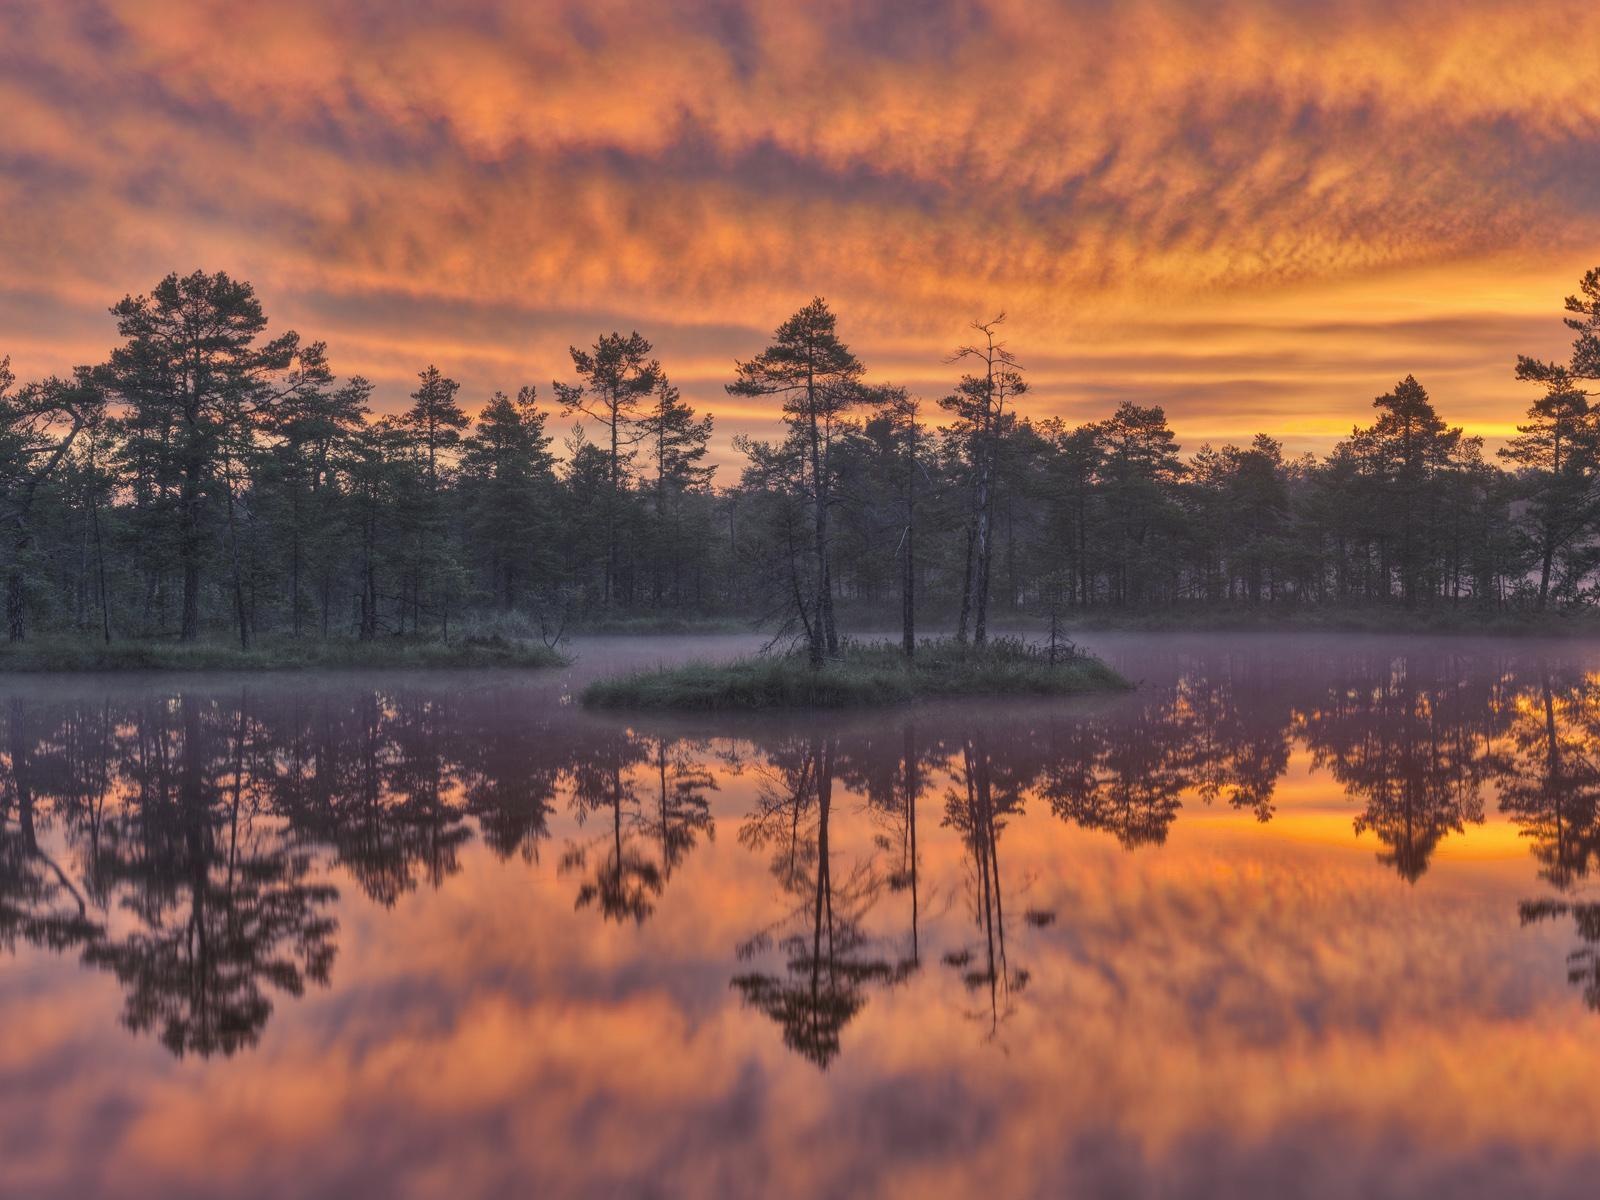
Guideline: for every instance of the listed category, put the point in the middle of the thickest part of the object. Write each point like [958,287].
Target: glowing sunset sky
[1258,214]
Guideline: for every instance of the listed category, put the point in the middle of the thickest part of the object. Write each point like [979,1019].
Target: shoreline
[60,656]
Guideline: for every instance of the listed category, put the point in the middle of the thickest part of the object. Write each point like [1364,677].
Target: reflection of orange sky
[1245,985]
[1259,214]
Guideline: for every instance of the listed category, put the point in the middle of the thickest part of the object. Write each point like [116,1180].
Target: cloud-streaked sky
[1259,213]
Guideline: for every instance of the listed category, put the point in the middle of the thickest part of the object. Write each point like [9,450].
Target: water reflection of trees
[1414,748]
[40,903]
[650,800]
[976,807]
[1549,778]
[188,843]
[828,958]
[1219,730]
[1548,771]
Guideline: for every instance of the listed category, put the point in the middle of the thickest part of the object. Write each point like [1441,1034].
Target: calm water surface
[1301,916]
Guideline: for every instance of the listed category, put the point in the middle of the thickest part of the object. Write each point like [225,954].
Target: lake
[1300,916]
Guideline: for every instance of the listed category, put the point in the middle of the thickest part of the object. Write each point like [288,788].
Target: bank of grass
[387,653]
[861,676]
[659,624]
[1440,619]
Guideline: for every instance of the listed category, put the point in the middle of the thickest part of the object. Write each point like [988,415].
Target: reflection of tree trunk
[1553,768]
[984,834]
[665,829]
[616,816]
[909,755]
[824,889]
[22,785]
[794,821]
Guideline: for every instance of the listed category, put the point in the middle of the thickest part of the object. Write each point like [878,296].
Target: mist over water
[1300,915]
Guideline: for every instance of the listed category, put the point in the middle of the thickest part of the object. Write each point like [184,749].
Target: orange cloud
[1108,174]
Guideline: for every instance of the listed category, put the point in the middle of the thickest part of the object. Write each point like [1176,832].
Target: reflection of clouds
[1146,1050]
[728,159]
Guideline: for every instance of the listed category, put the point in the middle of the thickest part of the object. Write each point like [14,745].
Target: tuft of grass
[862,675]
[73,654]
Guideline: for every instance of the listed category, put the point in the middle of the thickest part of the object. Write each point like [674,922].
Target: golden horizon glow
[1257,213]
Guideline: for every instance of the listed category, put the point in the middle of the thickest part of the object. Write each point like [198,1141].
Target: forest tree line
[210,477]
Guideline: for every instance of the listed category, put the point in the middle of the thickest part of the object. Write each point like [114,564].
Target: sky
[1257,213]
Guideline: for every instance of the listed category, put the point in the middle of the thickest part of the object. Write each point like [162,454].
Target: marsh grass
[660,624]
[1465,619]
[79,654]
[862,675]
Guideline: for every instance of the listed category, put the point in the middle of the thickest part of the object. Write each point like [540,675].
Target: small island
[861,674]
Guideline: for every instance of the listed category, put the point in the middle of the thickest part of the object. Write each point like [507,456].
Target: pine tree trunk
[821,608]
[189,545]
[238,582]
[16,624]
[294,569]
[100,567]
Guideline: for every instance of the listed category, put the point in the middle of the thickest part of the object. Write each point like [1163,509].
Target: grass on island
[861,675]
[56,653]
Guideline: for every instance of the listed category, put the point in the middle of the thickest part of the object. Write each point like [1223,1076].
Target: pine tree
[195,377]
[508,481]
[615,377]
[979,405]
[819,381]
[677,443]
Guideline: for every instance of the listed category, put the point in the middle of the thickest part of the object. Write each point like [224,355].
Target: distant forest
[211,478]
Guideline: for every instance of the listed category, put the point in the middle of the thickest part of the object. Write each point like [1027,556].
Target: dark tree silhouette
[1412,750]
[224,909]
[828,962]
[819,381]
[626,882]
